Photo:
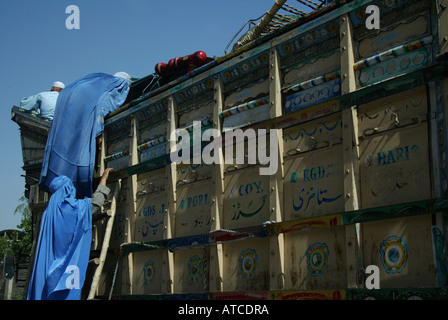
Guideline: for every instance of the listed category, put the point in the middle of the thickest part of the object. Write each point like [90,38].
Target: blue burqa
[63,247]
[78,120]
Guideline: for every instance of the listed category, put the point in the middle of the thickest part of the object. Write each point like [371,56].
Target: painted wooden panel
[187,173]
[405,31]
[152,205]
[191,271]
[246,265]
[391,13]
[308,69]
[403,251]
[394,167]
[245,118]
[193,210]
[246,69]
[406,108]
[32,150]
[246,198]
[153,133]
[247,93]
[308,97]
[395,66]
[148,270]
[240,154]
[309,44]
[150,217]
[153,152]
[188,116]
[121,162]
[313,184]
[315,259]
[194,96]
[149,112]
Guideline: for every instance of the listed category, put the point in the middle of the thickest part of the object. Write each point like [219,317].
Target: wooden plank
[277,264]
[350,148]
[131,200]
[216,208]
[171,173]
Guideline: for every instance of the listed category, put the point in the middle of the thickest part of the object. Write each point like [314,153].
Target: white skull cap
[58,84]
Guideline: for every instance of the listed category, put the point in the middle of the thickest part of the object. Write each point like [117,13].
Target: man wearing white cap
[43,103]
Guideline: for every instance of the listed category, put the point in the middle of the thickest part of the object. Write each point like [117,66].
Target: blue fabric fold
[78,120]
[63,247]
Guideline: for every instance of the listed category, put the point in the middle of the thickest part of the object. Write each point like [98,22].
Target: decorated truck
[350,97]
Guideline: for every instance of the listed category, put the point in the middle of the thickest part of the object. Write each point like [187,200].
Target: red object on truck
[190,62]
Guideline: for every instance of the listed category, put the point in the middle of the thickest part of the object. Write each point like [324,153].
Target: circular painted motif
[364,77]
[294,177]
[391,66]
[404,63]
[394,254]
[378,72]
[317,258]
[419,58]
[227,75]
[194,268]
[336,88]
[333,27]
[148,272]
[287,47]
[210,83]
[248,263]
[265,58]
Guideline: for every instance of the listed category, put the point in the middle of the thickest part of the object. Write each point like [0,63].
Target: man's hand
[105,176]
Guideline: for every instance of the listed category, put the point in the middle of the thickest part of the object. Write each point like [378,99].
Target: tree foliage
[19,243]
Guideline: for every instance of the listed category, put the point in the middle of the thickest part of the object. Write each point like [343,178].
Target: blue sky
[132,36]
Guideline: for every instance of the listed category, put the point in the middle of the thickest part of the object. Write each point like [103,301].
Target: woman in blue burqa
[63,247]
[78,120]
[65,237]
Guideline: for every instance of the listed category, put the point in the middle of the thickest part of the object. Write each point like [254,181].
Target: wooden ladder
[105,245]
